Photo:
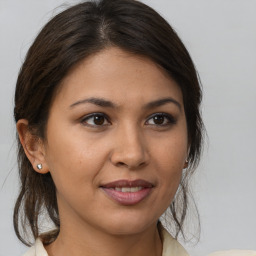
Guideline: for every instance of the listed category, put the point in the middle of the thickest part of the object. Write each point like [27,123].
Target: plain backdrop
[221,37]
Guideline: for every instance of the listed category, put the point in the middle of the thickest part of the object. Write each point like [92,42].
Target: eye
[161,119]
[95,119]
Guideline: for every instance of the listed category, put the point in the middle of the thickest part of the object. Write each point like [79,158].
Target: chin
[129,226]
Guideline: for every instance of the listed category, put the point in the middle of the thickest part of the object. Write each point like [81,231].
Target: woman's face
[116,143]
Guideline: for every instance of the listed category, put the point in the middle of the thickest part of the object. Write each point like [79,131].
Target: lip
[141,189]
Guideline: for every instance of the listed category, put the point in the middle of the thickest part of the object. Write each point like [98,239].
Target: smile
[128,189]
[127,192]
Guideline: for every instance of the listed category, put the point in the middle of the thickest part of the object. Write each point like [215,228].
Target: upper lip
[128,183]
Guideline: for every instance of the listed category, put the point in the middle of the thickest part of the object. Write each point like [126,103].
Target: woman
[107,112]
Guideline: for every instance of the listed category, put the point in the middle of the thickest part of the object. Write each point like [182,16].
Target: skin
[129,144]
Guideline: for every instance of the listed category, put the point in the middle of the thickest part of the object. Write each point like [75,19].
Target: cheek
[172,153]
[74,158]
[170,158]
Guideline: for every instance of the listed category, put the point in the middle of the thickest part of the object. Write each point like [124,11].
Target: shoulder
[171,247]
[234,253]
[37,249]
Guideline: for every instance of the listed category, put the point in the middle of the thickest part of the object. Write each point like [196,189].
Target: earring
[39,167]
[185,165]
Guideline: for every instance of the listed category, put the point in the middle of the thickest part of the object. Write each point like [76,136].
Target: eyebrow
[96,101]
[161,102]
[106,103]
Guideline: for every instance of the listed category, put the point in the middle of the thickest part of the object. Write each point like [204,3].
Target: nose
[130,149]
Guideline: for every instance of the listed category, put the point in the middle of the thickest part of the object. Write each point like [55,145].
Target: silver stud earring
[39,167]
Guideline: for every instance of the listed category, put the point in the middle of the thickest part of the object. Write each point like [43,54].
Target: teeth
[128,189]
[135,189]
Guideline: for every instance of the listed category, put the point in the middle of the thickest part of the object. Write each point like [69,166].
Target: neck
[87,241]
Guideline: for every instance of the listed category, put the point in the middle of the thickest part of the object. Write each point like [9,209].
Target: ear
[33,146]
[185,166]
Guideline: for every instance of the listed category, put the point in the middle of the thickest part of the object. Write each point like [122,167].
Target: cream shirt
[234,253]
[171,247]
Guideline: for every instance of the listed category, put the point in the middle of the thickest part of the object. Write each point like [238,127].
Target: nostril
[133,165]
[121,164]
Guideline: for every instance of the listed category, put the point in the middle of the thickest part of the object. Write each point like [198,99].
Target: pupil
[99,120]
[158,119]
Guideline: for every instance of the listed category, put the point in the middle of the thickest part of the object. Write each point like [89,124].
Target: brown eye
[158,119]
[161,119]
[96,119]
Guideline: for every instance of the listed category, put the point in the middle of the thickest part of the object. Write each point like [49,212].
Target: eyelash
[167,118]
[84,120]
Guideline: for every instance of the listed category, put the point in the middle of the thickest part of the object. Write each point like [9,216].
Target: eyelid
[92,115]
[171,119]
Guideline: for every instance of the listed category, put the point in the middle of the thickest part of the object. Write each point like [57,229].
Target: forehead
[119,76]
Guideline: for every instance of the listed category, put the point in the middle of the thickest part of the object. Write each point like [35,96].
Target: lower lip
[127,198]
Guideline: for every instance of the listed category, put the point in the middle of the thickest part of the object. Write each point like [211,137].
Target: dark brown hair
[71,36]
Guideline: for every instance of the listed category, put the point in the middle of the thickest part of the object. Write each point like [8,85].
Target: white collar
[171,247]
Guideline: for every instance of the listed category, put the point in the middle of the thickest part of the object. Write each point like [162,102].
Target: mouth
[127,192]
[128,189]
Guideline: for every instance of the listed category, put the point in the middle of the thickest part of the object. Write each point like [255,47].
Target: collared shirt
[234,253]
[171,247]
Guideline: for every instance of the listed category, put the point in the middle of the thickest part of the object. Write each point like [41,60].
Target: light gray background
[221,37]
